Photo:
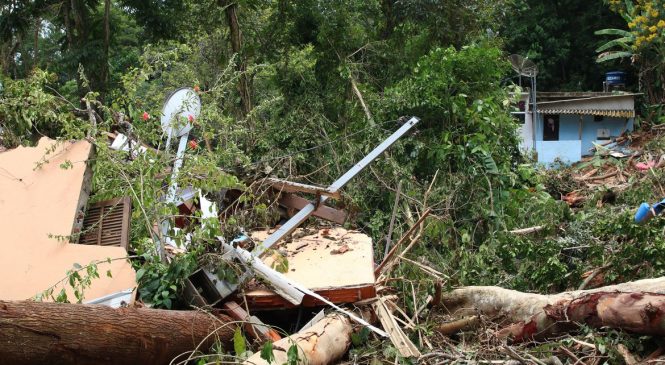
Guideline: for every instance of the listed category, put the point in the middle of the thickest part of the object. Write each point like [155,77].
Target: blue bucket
[643,213]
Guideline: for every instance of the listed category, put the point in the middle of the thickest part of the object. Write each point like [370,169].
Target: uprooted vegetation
[458,202]
[480,202]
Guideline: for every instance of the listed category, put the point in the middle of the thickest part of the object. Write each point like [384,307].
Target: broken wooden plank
[401,341]
[266,299]
[292,201]
[293,187]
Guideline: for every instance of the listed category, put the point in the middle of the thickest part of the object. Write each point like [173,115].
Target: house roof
[547,97]
[601,104]
[615,113]
[585,97]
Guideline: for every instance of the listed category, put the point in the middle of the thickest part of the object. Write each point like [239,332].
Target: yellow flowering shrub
[646,20]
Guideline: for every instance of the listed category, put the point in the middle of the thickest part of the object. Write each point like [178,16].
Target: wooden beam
[291,201]
[252,324]
[292,187]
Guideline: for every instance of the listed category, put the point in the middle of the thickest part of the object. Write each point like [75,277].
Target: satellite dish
[523,66]
[178,108]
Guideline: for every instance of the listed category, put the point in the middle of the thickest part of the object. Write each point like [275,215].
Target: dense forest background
[108,37]
[303,89]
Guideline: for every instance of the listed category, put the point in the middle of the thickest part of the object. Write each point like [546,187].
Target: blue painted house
[566,124]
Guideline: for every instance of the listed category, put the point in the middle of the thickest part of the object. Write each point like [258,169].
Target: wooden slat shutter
[106,223]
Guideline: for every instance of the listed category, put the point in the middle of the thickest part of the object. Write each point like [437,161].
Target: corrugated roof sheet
[616,113]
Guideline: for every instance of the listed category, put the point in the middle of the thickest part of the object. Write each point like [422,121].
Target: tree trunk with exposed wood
[637,307]
[56,333]
[323,343]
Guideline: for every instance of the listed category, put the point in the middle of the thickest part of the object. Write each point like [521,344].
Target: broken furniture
[44,191]
[294,292]
[333,262]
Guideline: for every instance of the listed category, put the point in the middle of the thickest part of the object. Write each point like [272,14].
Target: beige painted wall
[36,202]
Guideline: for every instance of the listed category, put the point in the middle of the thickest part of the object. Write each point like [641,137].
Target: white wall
[526,134]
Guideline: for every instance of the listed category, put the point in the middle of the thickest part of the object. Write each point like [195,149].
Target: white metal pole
[172,191]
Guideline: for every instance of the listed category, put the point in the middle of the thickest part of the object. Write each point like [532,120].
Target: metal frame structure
[307,211]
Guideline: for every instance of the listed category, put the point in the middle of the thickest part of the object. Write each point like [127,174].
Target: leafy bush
[28,111]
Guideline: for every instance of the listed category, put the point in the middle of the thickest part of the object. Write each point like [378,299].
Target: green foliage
[159,283]
[563,46]
[267,352]
[28,110]
[77,279]
[360,338]
[239,342]
[642,42]
[293,355]
[623,43]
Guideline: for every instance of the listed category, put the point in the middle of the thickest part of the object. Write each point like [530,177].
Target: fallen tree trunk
[56,333]
[321,344]
[637,307]
[637,312]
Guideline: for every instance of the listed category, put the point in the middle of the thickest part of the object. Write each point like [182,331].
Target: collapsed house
[60,248]
[45,190]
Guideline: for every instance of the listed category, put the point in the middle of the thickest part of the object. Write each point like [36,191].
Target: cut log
[637,307]
[321,344]
[56,333]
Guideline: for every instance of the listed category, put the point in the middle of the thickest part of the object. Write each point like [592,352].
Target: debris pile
[259,278]
[615,166]
[300,290]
